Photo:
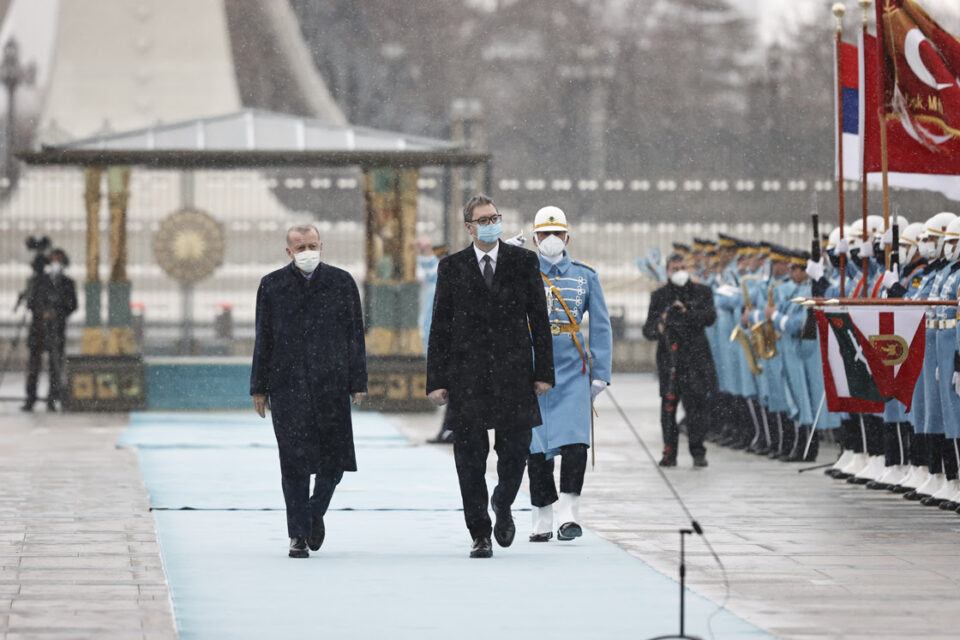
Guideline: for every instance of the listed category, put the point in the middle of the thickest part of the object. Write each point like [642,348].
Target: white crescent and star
[911,50]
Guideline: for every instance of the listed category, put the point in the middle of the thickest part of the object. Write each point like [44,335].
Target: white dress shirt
[493,256]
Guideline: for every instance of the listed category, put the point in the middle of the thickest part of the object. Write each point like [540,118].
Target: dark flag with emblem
[870,355]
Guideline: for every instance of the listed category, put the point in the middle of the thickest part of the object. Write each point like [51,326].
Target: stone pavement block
[69,587]
[74,547]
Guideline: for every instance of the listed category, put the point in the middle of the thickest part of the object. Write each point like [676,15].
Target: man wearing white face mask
[678,314]
[582,372]
[309,361]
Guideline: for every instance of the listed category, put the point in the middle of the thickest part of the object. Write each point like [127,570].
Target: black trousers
[301,506]
[573,466]
[38,341]
[470,449]
[694,406]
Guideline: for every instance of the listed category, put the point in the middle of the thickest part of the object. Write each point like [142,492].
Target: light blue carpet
[394,564]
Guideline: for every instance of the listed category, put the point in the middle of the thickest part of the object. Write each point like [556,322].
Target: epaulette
[584,264]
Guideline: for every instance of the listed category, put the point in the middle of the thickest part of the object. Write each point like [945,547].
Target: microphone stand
[683,587]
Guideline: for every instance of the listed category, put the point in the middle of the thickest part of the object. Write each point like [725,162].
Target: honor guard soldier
[582,371]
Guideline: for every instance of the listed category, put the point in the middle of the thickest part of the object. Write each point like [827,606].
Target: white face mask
[927,250]
[951,252]
[551,246]
[680,278]
[307,260]
[55,268]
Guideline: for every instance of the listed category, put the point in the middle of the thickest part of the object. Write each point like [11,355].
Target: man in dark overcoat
[490,355]
[309,360]
[51,297]
[678,314]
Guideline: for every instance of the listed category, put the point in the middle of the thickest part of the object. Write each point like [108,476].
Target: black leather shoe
[569,531]
[298,548]
[949,505]
[504,529]
[481,548]
[856,480]
[900,489]
[317,533]
[668,461]
[958,509]
[28,407]
[930,501]
[700,461]
[873,484]
[913,495]
[51,406]
[541,537]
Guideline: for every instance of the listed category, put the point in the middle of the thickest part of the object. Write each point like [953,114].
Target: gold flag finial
[864,8]
[838,10]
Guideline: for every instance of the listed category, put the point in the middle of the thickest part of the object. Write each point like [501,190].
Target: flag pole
[838,11]
[864,8]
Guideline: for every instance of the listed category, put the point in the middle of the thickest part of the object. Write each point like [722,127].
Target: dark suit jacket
[488,346]
[696,373]
[47,293]
[308,357]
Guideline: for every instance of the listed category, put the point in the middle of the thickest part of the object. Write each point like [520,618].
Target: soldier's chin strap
[693,522]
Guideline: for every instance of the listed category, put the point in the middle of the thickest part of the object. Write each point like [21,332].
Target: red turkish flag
[920,67]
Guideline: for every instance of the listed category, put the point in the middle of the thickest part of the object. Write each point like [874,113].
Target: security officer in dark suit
[490,355]
[51,297]
[678,314]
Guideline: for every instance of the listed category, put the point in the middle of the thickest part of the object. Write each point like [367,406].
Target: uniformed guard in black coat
[490,353]
[678,313]
[51,297]
[308,360]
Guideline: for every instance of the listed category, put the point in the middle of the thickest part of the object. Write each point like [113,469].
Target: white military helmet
[550,218]
[856,229]
[952,233]
[875,225]
[834,236]
[936,226]
[910,242]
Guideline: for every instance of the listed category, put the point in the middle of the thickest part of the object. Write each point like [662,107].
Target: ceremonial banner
[912,67]
[870,354]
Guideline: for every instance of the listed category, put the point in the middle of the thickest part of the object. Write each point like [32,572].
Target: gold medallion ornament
[189,245]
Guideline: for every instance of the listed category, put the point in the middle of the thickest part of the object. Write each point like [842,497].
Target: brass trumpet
[748,341]
[765,334]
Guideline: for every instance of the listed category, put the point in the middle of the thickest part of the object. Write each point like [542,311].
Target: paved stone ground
[806,556]
[78,547]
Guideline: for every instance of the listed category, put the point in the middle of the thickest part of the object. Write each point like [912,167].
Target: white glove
[843,247]
[956,382]
[866,248]
[596,388]
[517,240]
[727,290]
[887,239]
[815,269]
[891,277]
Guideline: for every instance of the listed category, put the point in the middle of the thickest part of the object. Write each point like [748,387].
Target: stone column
[92,342]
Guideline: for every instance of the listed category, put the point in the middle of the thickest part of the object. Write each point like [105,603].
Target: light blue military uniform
[776,393]
[728,373]
[918,409]
[932,415]
[946,352]
[790,318]
[566,407]
[428,270]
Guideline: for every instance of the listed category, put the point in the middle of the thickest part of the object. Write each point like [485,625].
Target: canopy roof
[255,138]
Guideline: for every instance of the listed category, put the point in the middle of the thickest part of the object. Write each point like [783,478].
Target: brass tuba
[764,333]
[747,340]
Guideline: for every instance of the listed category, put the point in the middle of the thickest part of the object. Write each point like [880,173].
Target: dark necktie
[488,272]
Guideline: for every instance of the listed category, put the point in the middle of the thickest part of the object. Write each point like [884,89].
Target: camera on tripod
[41,257]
